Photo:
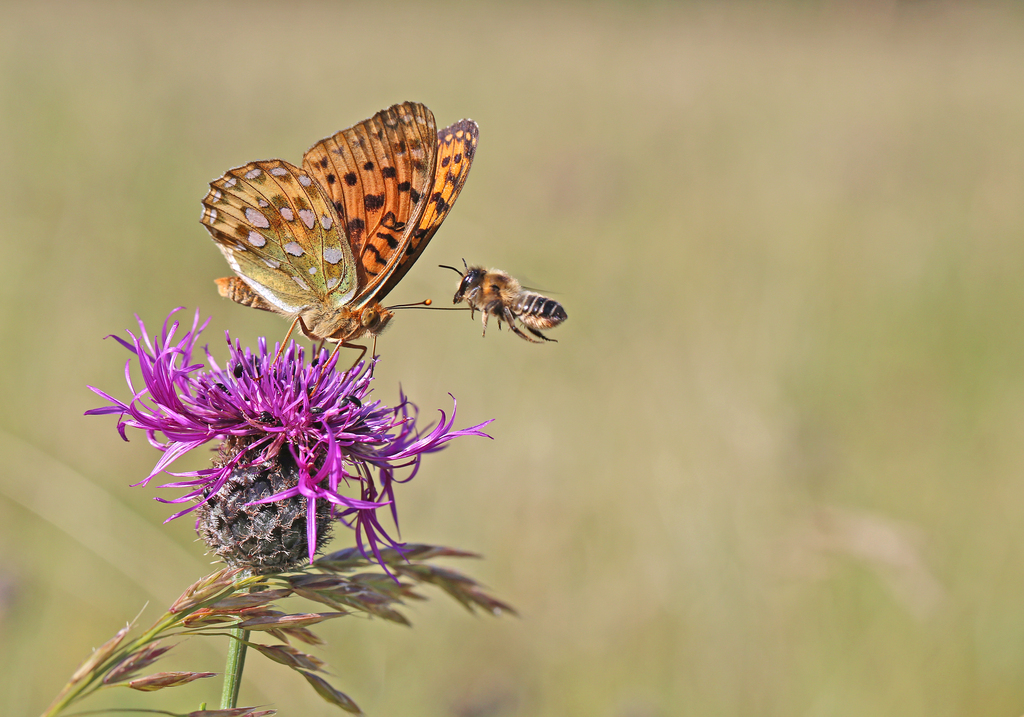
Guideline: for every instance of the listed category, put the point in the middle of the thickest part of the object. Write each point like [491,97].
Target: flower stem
[233,668]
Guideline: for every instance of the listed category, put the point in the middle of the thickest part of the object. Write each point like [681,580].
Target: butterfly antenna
[428,304]
[417,305]
[287,336]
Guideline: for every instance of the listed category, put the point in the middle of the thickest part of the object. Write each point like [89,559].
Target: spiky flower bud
[297,439]
[245,533]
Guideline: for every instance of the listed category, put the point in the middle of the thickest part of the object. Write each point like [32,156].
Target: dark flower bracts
[301,445]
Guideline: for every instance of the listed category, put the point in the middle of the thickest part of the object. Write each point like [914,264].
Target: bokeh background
[774,465]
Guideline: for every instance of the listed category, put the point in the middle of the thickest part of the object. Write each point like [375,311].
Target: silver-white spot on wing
[300,282]
[256,219]
[326,222]
[272,263]
[253,173]
[263,203]
[332,255]
[287,213]
[230,182]
[333,282]
[294,249]
[256,239]
[307,217]
[304,180]
[279,171]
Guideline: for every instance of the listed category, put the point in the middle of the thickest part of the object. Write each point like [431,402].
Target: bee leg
[520,334]
[483,317]
[511,319]
[538,333]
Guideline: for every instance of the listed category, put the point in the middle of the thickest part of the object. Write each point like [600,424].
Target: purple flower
[304,420]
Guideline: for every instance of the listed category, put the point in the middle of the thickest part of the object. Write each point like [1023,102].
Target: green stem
[233,668]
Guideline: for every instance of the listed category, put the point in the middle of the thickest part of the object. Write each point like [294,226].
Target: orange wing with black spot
[456,146]
[378,176]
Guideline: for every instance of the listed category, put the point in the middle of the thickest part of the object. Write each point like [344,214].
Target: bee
[497,293]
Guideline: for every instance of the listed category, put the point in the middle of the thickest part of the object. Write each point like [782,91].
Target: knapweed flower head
[297,437]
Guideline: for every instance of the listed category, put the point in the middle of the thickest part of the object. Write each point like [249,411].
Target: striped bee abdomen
[538,311]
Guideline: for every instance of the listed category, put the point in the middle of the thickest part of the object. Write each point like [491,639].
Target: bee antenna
[445,266]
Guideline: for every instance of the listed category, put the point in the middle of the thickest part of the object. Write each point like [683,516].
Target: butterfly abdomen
[231,287]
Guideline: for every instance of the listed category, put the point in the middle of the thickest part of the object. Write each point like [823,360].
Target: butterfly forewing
[377,175]
[456,146]
[282,235]
[326,242]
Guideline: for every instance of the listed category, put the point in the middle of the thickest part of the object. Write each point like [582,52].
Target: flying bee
[497,293]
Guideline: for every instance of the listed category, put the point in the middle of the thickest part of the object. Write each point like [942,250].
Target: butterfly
[324,244]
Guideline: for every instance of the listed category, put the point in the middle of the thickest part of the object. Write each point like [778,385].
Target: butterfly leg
[317,349]
[344,344]
[287,336]
[340,345]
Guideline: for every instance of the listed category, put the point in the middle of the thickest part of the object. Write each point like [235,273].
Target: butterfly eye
[374,319]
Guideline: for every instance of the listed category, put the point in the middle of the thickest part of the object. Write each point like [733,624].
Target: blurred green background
[773,465]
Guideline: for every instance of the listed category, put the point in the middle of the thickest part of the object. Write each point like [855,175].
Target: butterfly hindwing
[281,235]
[377,175]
